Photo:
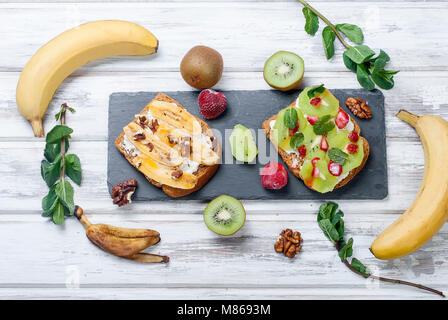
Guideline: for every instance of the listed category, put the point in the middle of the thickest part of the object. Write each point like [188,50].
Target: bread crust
[203,174]
[289,158]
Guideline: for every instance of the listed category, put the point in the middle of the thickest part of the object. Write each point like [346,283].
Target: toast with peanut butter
[318,141]
[173,149]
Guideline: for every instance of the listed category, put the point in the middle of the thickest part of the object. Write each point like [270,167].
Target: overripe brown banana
[122,242]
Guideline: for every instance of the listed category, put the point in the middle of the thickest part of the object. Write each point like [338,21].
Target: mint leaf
[359,54]
[328,38]
[53,149]
[58,213]
[337,155]
[349,62]
[337,217]
[315,90]
[323,125]
[65,192]
[382,80]
[51,171]
[73,168]
[358,265]
[296,140]
[346,251]
[340,228]
[382,55]
[49,201]
[290,118]
[311,21]
[364,78]
[329,230]
[327,211]
[352,32]
[57,133]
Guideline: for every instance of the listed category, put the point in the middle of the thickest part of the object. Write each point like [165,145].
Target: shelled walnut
[359,107]
[289,243]
[122,192]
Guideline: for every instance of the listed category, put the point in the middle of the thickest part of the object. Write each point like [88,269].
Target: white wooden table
[41,260]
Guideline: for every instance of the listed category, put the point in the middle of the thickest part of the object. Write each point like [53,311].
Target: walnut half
[359,107]
[289,243]
[122,192]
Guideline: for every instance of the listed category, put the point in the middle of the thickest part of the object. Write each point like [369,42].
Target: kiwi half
[283,70]
[224,215]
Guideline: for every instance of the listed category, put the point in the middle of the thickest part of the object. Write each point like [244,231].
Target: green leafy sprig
[330,221]
[360,58]
[59,203]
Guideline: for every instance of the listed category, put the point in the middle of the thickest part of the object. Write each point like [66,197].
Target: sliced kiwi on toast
[284,70]
[224,215]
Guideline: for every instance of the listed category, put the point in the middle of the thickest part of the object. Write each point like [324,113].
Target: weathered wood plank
[419,92]
[238,30]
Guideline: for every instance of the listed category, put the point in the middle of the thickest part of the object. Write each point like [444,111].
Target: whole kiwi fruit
[202,67]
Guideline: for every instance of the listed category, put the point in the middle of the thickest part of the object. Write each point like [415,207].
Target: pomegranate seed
[293,131]
[335,168]
[316,101]
[314,161]
[302,151]
[353,137]
[324,144]
[312,119]
[316,172]
[352,148]
[341,119]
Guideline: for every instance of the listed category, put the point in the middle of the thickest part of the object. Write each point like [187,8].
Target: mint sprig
[59,203]
[331,223]
[359,58]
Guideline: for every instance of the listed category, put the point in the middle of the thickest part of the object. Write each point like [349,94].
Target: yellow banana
[57,59]
[122,242]
[429,211]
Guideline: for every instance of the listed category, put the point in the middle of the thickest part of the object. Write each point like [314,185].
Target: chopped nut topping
[289,243]
[139,136]
[142,121]
[177,174]
[359,108]
[150,146]
[171,139]
[185,146]
[153,125]
[122,192]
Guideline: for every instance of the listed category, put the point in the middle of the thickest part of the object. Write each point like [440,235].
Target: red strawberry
[211,103]
[352,148]
[314,161]
[293,131]
[353,137]
[316,101]
[274,176]
[341,119]
[302,151]
[324,144]
[312,119]
[335,168]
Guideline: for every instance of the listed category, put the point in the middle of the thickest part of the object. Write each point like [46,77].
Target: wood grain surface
[41,260]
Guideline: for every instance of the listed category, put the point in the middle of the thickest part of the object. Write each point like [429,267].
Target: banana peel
[122,242]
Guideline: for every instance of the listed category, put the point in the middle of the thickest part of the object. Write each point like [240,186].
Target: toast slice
[196,179]
[295,162]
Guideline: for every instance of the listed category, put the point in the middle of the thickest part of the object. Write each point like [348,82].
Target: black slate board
[242,181]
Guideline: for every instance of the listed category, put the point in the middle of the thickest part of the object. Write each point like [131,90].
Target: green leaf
[53,149]
[340,228]
[329,230]
[349,62]
[364,78]
[327,211]
[358,265]
[383,81]
[352,32]
[382,55]
[347,250]
[328,38]
[73,168]
[296,140]
[51,172]
[58,214]
[359,54]
[337,217]
[311,21]
[57,133]
[315,90]
[323,125]
[65,192]
[49,201]
[290,118]
[337,155]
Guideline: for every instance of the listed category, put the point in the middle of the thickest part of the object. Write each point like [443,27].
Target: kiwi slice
[243,144]
[224,215]
[283,70]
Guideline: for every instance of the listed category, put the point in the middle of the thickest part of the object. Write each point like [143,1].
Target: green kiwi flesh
[283,70]
[224,215]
